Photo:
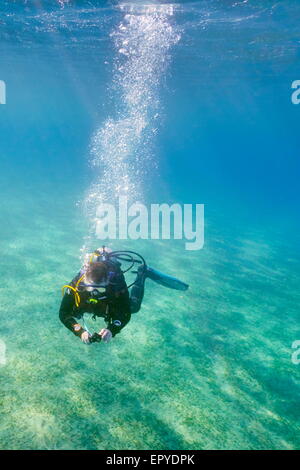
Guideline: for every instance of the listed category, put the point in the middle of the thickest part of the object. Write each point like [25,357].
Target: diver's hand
[105,334]
[85,337]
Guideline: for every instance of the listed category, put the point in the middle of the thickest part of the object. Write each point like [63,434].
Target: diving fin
[165,280]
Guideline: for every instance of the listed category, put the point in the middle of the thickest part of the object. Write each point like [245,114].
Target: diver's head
[96,276]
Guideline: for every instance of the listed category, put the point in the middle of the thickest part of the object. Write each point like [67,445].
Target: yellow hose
[76,295]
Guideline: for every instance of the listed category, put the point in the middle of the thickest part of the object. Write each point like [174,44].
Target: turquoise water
[187,102]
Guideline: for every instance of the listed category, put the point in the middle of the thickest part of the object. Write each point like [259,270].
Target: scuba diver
[100,289]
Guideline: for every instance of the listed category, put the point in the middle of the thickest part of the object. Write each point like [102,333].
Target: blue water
[186,102]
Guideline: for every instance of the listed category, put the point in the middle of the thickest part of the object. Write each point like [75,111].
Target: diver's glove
[85,337]
[106,335]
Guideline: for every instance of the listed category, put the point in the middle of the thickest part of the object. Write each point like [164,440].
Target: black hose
[120,254]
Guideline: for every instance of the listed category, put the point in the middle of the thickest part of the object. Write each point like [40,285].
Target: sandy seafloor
[207,368]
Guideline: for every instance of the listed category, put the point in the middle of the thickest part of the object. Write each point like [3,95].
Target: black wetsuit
[114,304]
